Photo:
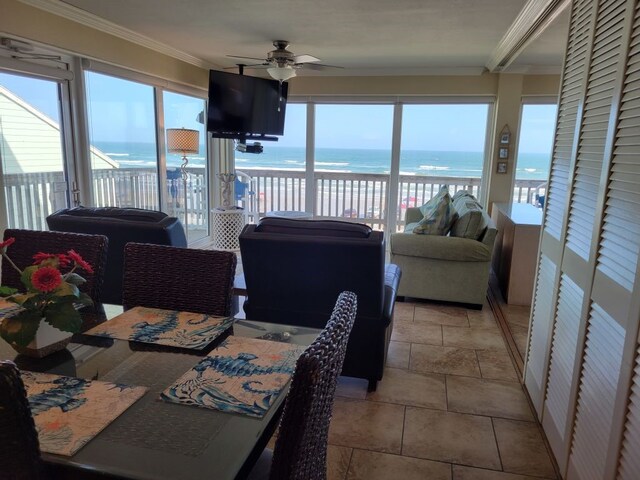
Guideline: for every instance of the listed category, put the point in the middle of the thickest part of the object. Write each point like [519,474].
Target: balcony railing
[355,196]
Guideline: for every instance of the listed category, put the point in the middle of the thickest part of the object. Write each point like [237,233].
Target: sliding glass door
[32,150]
[441,144]
[187,197]
[122,135]
[353,161]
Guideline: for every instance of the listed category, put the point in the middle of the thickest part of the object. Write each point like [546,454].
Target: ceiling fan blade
[305,59]
[246,58]
[318,66]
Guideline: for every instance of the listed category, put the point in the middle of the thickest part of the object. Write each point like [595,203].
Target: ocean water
[532,166]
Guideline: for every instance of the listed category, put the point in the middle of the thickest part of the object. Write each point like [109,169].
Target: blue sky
[121,110]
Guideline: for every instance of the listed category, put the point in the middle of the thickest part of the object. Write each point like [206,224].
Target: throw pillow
[471,222]
[438,217]
[427,207]
[462,193]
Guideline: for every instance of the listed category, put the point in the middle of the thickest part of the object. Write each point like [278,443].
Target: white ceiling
[365,36]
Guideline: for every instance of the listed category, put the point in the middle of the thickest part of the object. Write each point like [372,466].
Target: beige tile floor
[449,407]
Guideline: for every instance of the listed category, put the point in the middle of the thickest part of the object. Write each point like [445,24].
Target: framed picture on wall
[502,167]
[503,152]
[505,135]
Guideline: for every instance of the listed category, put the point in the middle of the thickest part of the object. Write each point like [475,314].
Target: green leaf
[75,279]
[25,278]
[67,290]
[6,291]
[63,316]
[84,299]
[20,328]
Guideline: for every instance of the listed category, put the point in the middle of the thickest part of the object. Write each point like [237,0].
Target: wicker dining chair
[20,450]
[93,248]
[173,278]
[300,451]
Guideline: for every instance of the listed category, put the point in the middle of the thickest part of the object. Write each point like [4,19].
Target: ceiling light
[282,73]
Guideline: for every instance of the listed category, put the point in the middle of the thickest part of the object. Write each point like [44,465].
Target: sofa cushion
[327,228]
[470,222]
[440,248]
[438,217]
[128,214]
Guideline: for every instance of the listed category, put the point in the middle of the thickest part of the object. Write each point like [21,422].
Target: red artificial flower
[46,279]
[6,243]
[75,257]
[63,259]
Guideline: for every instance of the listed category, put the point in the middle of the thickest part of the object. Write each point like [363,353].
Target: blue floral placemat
[164,327]
[69,412]
[242,375]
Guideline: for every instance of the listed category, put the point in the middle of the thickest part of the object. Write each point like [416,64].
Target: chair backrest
[20,450]
[295,269]
[93,249]
[120,226]
[173,278]
[301,448]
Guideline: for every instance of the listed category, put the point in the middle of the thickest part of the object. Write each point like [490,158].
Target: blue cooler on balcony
[120,226]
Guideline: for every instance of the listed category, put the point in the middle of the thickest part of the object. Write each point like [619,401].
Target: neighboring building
[30,141]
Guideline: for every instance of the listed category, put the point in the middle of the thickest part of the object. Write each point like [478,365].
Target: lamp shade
[182,140]
[282,73]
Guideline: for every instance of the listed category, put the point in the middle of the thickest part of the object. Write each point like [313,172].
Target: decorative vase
[48,340]
[227,179]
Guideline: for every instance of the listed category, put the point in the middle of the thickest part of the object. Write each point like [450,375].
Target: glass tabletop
[154,439]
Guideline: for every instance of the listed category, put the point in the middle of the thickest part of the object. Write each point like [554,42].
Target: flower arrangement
[51,295]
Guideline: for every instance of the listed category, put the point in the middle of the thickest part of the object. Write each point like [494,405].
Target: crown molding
[75,14]
[532,20]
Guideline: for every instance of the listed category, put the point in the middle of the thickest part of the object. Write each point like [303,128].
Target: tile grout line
[346,474]
[404,419]
[495,438]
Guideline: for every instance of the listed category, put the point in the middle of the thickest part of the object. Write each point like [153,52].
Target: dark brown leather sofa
[295,270]
[120,226]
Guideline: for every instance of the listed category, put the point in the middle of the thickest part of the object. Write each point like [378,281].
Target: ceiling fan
[282,63]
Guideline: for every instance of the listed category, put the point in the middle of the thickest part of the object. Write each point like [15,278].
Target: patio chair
[172,278]
[301,447]
[93,249]
[20,452]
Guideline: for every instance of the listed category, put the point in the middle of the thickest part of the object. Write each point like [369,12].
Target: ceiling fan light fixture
[282,73]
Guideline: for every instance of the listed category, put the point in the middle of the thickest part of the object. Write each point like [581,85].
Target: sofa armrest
[439,247]
[392,274]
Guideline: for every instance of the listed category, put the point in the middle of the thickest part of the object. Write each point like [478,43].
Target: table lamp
[183,141]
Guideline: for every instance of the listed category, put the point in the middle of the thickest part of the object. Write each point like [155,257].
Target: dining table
[154,439]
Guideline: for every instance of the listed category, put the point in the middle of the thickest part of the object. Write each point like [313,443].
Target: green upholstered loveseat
[448,268]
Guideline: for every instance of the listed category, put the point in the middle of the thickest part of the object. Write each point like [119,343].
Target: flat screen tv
[245,107]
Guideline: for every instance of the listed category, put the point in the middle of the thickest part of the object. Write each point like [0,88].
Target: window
[353,161]
[441,144]
[278,172]
[535,143]
[122,133]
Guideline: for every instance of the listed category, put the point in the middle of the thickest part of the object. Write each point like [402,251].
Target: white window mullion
[310,180]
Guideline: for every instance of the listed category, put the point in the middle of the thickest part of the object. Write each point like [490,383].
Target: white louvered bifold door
[582,363]
[629,468]
[613,322]
[570,100]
